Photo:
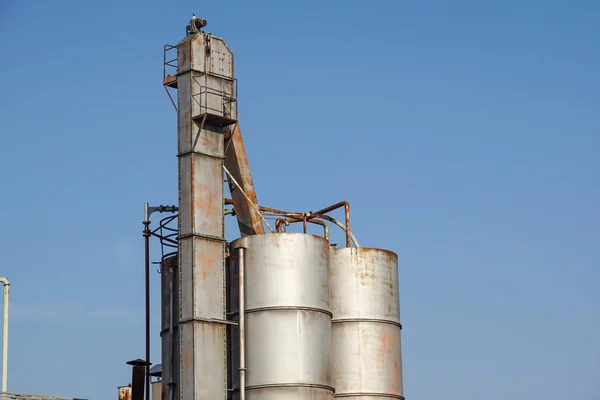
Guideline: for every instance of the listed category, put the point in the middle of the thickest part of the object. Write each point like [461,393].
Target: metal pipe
[338,223]
[346,206]
[324,225]
[281,221]
[279,224]
[271,211]
[5,335]
[255,206]
[147,233]
[319,214]
[242,326]
[171,383]
[147,273]
[138,368]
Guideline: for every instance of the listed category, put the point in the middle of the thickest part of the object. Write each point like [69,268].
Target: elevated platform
[170,81]
[214,119]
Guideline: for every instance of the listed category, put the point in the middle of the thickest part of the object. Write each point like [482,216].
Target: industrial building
[272,315]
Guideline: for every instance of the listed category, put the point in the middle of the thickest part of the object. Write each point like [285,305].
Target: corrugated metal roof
[156,370]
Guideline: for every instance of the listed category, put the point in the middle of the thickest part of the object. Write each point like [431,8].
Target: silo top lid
[156,370]
[138,361]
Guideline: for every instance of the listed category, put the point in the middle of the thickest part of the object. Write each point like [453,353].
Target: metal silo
[366,349]
[286,325]
[169,334]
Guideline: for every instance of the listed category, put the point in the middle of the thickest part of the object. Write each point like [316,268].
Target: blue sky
[466,136]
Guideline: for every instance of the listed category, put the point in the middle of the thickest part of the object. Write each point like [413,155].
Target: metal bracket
[148,210]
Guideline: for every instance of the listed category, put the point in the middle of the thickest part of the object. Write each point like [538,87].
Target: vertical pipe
[147,272]
[169,335]
[242,323]
[346,206]
[173,366]
[5,335]
[5,340]
[137,379]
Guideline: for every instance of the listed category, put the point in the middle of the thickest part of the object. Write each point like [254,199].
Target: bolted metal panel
[288,320]
[221,61]
[209,281]
[169,329]
[365,301]
[206,80]
[202,287]
[184,114]
[208,76]
[203,363]
[201,178]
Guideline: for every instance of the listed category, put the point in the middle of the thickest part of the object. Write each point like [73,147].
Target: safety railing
[217,102]
[167,233]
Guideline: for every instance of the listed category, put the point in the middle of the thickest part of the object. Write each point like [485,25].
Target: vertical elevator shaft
[205,97]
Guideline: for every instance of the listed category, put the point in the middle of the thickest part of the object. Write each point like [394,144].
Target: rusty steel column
[205,97]
[236,160]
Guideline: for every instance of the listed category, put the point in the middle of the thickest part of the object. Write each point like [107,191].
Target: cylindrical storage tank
[287,317]
[169,329]
[365,302]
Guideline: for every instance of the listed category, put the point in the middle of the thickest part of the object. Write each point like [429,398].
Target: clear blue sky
[466,137]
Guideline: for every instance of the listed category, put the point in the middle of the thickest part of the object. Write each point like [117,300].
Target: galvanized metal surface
[367,355]
[288,320]
[169,329]
[201,237]
[213,87]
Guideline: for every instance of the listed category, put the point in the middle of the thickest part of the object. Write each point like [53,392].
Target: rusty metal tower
[306,320]
[209,144]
